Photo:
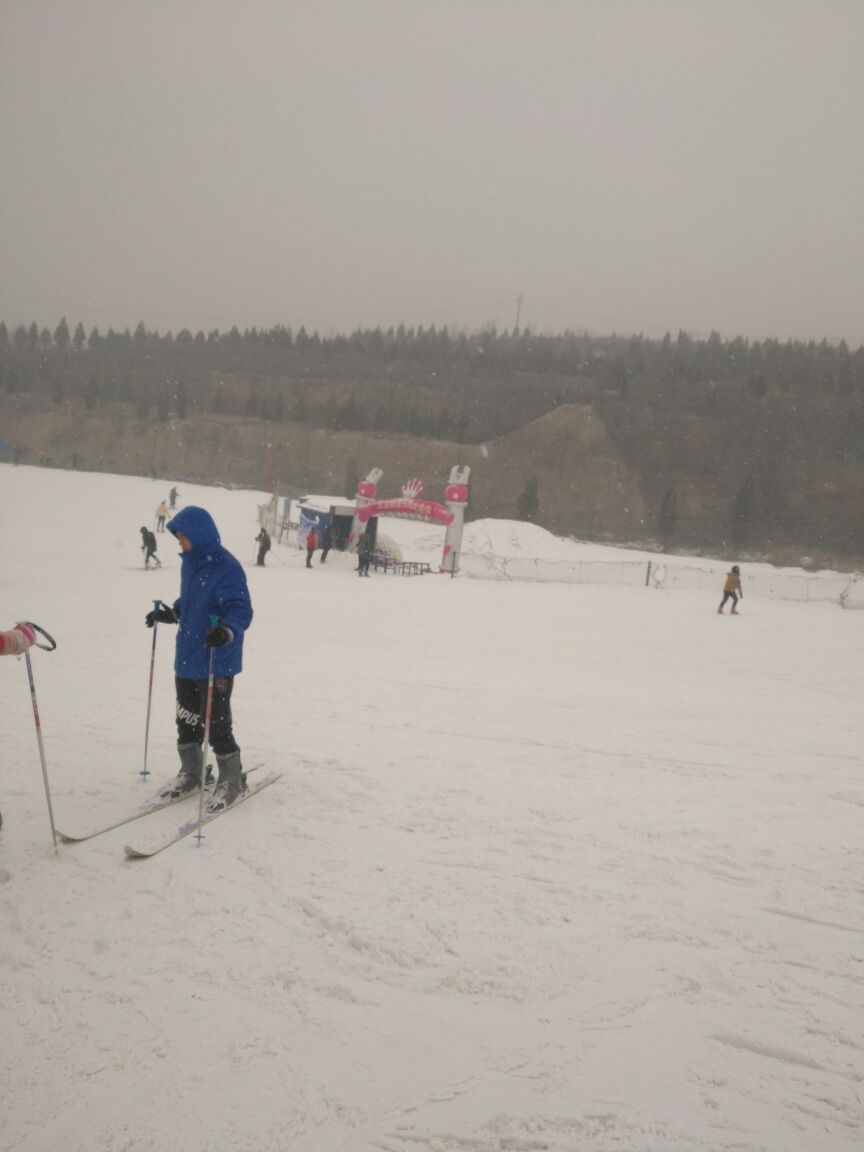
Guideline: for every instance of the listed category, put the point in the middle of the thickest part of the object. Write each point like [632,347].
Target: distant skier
[13,643]
[212,583]
[172,497]
[311,545]
[161,513]
[732,590]
[326,543]
[264,546]
[364,554]
[148,547]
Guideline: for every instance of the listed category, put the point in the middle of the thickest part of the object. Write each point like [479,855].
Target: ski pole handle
[52,643]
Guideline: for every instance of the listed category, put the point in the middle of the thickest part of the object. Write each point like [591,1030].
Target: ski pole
[45,648]
[145,772]
[214,621]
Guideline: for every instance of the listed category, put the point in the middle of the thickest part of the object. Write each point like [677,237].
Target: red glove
[21,637]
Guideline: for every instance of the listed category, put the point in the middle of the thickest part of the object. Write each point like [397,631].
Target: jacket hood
[197,525]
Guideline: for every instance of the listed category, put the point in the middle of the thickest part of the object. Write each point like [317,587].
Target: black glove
[219,635]
[163,615]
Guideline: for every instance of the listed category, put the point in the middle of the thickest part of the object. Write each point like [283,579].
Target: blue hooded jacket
[212,583]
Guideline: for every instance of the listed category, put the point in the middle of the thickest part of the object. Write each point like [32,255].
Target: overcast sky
[621,166]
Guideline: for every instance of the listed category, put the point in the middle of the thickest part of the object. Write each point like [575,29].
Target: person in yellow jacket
[732,590]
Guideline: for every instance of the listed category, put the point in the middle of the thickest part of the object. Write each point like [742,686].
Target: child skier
[212,583]
[148,547]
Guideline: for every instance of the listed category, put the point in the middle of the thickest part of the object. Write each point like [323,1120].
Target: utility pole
[518,312]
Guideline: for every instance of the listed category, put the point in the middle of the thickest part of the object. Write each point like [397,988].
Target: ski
[154,804]
[187,828]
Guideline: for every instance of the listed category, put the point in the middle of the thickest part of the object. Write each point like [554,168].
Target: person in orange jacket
[311,545]
[732,590]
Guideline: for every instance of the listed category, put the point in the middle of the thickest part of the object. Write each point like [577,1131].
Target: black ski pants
[192,712]
[733,596]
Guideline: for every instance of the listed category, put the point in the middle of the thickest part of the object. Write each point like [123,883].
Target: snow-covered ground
[548,868]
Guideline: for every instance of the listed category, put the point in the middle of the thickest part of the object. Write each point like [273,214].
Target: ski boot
[189,776]
[231,782]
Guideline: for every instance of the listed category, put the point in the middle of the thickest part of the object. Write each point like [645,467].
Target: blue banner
[310,519]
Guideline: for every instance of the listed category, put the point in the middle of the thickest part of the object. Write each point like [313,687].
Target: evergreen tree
[61,335]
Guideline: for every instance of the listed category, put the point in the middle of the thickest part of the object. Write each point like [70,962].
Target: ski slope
[549,867]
